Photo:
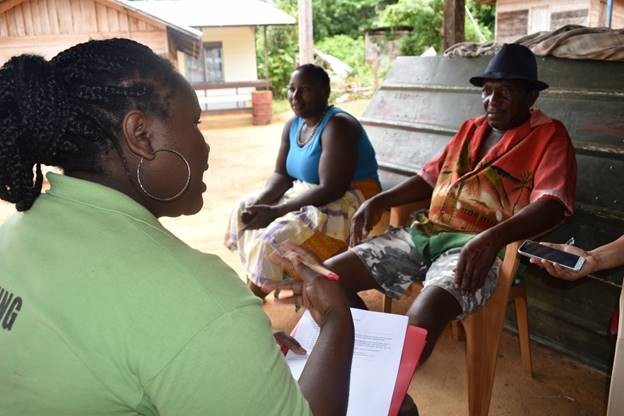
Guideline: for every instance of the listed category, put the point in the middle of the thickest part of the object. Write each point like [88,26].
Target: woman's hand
[286,342]
[557,270]
[323,297]
[260,216]
[363,220]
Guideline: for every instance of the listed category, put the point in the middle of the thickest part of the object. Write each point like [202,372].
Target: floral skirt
[324,230]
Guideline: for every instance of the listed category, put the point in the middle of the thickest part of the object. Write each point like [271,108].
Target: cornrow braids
[68,112]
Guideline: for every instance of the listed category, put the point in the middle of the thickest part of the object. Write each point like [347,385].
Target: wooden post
[306,43]
[454,16]
[266,53]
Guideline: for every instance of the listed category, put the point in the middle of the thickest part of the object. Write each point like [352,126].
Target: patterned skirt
[324,230]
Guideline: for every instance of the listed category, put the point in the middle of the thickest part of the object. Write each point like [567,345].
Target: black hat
[513,61]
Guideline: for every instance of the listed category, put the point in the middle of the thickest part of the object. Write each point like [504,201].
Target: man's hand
[475,261]
[362,221]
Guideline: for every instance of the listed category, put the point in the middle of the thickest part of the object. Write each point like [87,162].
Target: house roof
[220,13]
[187,38]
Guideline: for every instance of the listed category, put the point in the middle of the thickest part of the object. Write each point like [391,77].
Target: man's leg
[389,263]
[440,301]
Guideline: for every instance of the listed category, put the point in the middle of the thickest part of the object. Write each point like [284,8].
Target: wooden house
[225,72]
[516,18]
[46,27]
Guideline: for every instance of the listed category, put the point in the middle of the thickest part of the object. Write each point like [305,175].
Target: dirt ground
[242,157]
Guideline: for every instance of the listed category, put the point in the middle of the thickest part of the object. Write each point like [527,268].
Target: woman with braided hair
[102,310]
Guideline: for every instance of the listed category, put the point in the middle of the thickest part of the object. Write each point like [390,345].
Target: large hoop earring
[184,188]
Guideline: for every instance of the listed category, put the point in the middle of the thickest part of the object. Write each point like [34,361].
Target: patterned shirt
[531,161]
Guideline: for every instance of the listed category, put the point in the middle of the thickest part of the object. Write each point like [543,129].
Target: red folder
[412,348]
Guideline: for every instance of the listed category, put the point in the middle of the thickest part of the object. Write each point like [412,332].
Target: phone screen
[550,254]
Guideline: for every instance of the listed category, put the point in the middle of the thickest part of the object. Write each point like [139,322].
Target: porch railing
[227,96]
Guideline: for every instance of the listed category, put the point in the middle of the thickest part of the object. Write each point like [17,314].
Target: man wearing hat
[506,175]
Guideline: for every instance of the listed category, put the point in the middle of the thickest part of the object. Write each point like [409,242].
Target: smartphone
[568,260]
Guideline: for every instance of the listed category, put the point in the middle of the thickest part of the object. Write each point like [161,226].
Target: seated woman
[103,310]
[325,169]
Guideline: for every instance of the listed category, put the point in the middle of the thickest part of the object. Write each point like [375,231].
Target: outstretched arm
[604,257]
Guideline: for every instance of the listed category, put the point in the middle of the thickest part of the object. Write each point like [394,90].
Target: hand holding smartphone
[567,260]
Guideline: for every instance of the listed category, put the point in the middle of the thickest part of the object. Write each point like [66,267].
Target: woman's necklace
[300,140]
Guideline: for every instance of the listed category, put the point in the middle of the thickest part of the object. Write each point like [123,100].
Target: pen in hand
[570,241]
[323,271]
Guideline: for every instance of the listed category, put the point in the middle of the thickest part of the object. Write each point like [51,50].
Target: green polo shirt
[103,311]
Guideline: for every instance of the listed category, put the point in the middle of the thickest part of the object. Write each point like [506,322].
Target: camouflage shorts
[395,264]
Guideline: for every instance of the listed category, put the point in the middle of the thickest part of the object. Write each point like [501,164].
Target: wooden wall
[516,18]
[46,27]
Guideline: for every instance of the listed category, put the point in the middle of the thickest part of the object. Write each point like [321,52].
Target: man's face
[506,103]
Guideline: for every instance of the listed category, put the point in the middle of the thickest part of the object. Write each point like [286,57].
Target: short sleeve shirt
[105,312]
[532,161]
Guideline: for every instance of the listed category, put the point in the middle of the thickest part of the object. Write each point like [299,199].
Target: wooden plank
[51,7]
[9,4]
[512,24]
[64,15]
[28,18]
[454,16]
[88,16]
[35,11]
[4,25]
[101,12]
[40,13]
[133,24]
[123,21]
[143,26]
[113,19]
[18,20]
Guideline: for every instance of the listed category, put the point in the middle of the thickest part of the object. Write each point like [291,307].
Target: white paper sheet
[379,339]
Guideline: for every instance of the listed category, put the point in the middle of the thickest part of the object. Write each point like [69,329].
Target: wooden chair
[484,327]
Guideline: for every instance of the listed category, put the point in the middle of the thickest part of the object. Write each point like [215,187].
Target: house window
[208,67]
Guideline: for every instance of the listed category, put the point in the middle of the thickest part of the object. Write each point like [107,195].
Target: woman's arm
[604,257]
[279,181]
[337,164]
[338,161]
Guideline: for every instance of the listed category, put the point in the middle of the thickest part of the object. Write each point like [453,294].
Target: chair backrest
[423,101]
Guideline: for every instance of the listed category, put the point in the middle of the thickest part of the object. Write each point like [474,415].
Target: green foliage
[424,17]
[282,49]
[345,48]
[339,27]
[350,51]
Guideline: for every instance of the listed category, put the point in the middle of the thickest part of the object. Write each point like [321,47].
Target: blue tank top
[302,162]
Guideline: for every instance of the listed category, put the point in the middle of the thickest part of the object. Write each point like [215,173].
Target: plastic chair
[484,327]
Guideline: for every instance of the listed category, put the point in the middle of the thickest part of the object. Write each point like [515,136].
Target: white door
[539,19]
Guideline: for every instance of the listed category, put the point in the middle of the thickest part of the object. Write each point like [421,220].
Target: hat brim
[480,80]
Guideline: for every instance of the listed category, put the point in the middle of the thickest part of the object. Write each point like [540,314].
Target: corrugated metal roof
[214,13]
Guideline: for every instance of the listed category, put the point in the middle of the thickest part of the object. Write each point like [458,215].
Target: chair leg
[522,318]
[482,344]
[387,304]
[457,330]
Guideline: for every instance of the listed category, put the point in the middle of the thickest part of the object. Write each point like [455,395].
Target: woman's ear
[136,132]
